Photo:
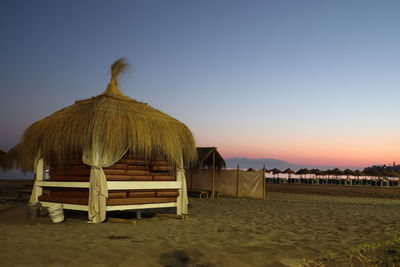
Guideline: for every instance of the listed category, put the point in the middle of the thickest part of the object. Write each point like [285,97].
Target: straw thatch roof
[3,155]
[13,159]
[111,119]
[205,158]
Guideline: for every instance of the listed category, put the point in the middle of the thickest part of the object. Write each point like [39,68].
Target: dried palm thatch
[112,119]
[3,159]
[14,159]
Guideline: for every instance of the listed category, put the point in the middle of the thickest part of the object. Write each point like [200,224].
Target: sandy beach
[281,230]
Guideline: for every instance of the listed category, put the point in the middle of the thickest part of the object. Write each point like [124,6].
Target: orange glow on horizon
[339,152]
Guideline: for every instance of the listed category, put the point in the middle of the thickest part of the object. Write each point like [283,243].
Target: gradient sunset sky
[308,82]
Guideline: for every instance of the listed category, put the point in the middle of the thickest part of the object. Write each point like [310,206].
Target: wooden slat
[160,168]
[70,172]
[138,172]
[70,178]
[144,193]
[141,178]
[168,193]
[118,177]
[133,156]
[142,206]
[159,163]
[163,178]
[64,184]
[117,194]
[117,185]
[142,200]
[163,173]
[119,166]
[68,200]
[138,167]
[136,162]
[72,192]
[114,172]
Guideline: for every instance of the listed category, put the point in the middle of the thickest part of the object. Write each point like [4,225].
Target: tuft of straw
[111,119]
[119,67]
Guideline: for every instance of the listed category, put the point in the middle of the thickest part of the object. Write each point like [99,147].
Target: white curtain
[180,176]
[98,158]
[34,196]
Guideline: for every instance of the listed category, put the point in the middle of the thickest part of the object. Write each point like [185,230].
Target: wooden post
[213,175]
[237,181]
[263,180]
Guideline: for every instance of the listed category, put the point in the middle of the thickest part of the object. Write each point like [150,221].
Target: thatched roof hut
[205,158]
[101,130]
[111,122]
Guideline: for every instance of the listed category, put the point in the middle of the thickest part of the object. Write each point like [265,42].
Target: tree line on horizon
[375,170]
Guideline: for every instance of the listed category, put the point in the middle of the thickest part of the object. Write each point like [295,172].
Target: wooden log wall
[129,168]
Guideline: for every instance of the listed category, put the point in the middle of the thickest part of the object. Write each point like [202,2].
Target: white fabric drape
[34,195]
[180,176]
[251,184]
[98,159]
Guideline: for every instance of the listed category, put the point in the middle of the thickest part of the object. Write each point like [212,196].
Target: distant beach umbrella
[348,172]
[358,173]
[289,171]
[330,173]
[304,171]
[276,171]
[316,172]
[337,172]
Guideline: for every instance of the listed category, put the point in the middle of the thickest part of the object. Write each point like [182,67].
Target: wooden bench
[199,193]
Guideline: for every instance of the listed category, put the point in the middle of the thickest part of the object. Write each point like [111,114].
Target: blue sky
[309,82]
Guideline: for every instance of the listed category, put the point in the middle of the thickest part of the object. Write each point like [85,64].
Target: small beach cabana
[211,176]
[108,152]
[208,158]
